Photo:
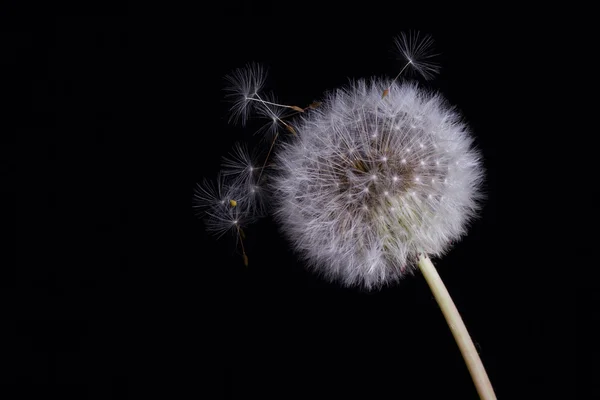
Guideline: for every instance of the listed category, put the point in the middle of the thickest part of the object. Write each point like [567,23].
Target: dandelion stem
[459,331]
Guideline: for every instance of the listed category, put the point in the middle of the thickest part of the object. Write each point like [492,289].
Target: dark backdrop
[118,292]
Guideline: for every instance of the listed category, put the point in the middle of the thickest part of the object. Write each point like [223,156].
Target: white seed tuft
[417,52]
[337,158]
[243,84]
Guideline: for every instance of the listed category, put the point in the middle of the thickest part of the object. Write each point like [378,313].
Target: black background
[118,292]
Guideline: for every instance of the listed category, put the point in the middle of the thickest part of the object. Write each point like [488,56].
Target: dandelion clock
[367,184]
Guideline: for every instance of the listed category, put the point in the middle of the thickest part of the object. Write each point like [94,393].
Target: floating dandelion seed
[418,53]
[240,163]
[243,86]
[274,116]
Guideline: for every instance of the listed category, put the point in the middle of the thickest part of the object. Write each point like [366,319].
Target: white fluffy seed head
[370,182]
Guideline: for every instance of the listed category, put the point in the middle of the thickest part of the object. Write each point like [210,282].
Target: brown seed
[290,128]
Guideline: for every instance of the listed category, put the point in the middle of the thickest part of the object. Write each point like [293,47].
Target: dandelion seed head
[336,156]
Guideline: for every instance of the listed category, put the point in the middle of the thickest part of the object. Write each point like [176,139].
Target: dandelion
[373,180]
[359,191]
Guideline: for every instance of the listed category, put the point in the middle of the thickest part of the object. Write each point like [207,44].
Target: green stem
[459,331]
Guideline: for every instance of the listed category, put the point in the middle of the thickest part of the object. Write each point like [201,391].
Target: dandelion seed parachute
[243,84]
[369,183]
[244,174]
[224,205]
[210,194]
[240,163]
[273,114]
[417,51]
